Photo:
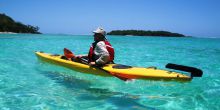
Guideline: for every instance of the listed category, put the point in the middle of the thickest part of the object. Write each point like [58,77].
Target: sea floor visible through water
[27,83]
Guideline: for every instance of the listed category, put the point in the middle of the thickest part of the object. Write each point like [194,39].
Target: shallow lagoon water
[27,83]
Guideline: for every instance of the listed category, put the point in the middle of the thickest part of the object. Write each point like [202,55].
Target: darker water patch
[67,81]
[126,102]
[122,101]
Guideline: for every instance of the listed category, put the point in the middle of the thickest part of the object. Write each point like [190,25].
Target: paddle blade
[195,72]
[68,53]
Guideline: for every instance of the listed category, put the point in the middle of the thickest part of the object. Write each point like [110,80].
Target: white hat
[100,31]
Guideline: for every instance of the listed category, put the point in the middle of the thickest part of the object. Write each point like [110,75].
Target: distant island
[145,33]
[8,25]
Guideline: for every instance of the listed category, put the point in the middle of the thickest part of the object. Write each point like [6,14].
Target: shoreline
[8,33]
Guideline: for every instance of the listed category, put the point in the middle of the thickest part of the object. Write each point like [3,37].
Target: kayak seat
[120,66]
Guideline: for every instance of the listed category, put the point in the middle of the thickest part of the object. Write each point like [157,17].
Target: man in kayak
[101,52]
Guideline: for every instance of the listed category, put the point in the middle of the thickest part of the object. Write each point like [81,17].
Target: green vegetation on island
[145,33]
[7,24]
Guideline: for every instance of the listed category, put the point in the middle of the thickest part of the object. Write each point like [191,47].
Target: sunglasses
[97,34]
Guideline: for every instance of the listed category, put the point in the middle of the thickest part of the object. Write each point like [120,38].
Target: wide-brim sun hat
[100,30]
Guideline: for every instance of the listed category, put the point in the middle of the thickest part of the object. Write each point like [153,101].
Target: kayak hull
[149,73]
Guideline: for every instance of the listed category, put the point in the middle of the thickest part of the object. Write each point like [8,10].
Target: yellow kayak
[118,69]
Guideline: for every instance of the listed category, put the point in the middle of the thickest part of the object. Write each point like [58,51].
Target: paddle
[69,55]
[195,72]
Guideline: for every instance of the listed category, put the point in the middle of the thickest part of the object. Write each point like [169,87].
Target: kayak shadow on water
[67,81]
[122,101]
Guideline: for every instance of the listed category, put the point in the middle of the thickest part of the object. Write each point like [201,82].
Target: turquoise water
[26,83]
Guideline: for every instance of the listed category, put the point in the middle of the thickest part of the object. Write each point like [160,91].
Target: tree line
[145,33]
[7,24]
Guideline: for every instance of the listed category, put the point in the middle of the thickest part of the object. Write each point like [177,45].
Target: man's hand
[91,63]
[79,56]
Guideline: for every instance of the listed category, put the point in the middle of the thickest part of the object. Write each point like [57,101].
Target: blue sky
[199,18]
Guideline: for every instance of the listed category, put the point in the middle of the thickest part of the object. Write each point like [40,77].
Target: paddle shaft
[69,54]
